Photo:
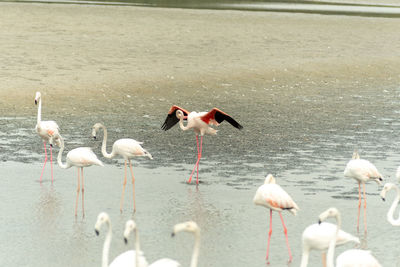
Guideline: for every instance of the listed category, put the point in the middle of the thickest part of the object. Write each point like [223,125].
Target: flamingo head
[95,129]
[331,212]
[37,97]
[129,227]
[55,139]
[189,226]
[101,218]
[386,188]
[270,179]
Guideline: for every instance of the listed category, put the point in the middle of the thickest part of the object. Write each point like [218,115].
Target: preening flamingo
[362,171]
[318,236]
[199,122]
[272,196]
[45,129]
[79,157]
[190,227]
[351,257]
[390,215]
[127,148]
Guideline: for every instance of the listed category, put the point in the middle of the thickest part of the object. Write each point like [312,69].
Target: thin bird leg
[287,240]
[198,159]
[123,191]
[77,194]
[323,259]
[45,159]
[83,197]
[133,185]
[198,163]
[51,163]
[269,234]
[359,206]
[365,211]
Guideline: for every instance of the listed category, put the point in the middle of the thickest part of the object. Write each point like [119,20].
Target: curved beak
[96,231]
[35,102]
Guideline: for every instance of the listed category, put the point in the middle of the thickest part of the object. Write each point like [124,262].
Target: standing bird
[127,148]
[45,129]
[200,122]
[390,215]
[272,196]
[190,227]
[79,157]
[362,171]
[351,257]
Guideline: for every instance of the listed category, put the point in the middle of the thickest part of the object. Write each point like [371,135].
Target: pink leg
[269,234]
[197,162]
[365,211]
[45,160]
[51,163]
[121,203]
[83,196]
[77,194]
[359,206]
[287,240]
[133,185]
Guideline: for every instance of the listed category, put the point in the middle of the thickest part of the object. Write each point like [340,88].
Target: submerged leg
[197,161]
[77,194]
[123,191]
[133,185]
[365,211]
[269,234]
[286,236]
[45,160]
[359,206]
[51,163]
[83,195]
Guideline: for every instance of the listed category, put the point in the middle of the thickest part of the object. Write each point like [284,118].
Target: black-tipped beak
[383,199]
[172,234]
[126,240]
[94,137]
[97,232]
[51,145]
[380,179]
[319,221]
[35,102]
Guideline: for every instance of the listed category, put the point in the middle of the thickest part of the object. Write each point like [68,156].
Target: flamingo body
[129,148]
[82,157]
[165,263]
[362,170]
[127,259]
[47,129]
[356,258]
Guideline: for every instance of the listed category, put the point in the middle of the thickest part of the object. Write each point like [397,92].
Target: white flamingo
[127,258]
[362,171]
[79,157]
[45,129]
[190,227]
[199,122]
[351,257]
[318,236]
[127,148]
[390,215]
[272,196]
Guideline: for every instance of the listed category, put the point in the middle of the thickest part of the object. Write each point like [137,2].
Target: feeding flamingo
[272,196]
[127,258]
[45,129]
[190,227]
[127,148]
[199,122]
[79,157]
[318,237]
[390,215]
[362,171]
[351,257]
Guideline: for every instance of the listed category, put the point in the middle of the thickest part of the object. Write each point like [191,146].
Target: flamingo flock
[321,236]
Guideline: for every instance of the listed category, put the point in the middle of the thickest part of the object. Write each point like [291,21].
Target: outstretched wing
[171,119]
[216,116]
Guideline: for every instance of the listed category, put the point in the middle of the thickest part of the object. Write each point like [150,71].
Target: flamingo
[199,122]
[351,257]
[318,236]
[190,227]
[362,171]
[127,258]
[45,129]
[79,157]
[390,215]
[272,196]
[127,148]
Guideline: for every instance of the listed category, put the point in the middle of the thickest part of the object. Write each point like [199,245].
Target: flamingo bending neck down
[127,148]
[362,171]
[351,257]
[79,157]
[190,227]
[272,196]
[45,129]
[199,122]
[390,215]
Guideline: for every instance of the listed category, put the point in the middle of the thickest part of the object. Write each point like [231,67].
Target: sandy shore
[88,53]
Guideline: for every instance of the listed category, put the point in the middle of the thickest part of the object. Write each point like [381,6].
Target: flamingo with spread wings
[200,122]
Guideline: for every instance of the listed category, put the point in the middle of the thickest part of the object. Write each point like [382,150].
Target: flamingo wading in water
[127,148]
[362,171]
[272,196]
[46,130]
[199,122]
[79,157]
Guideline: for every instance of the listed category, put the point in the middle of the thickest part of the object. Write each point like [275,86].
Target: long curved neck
[104,144]
[304,257]
[60,163]
[332,244]
[39,113]
[196,250]
[137,248]
[106,246]
[181,124]
[390,214]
